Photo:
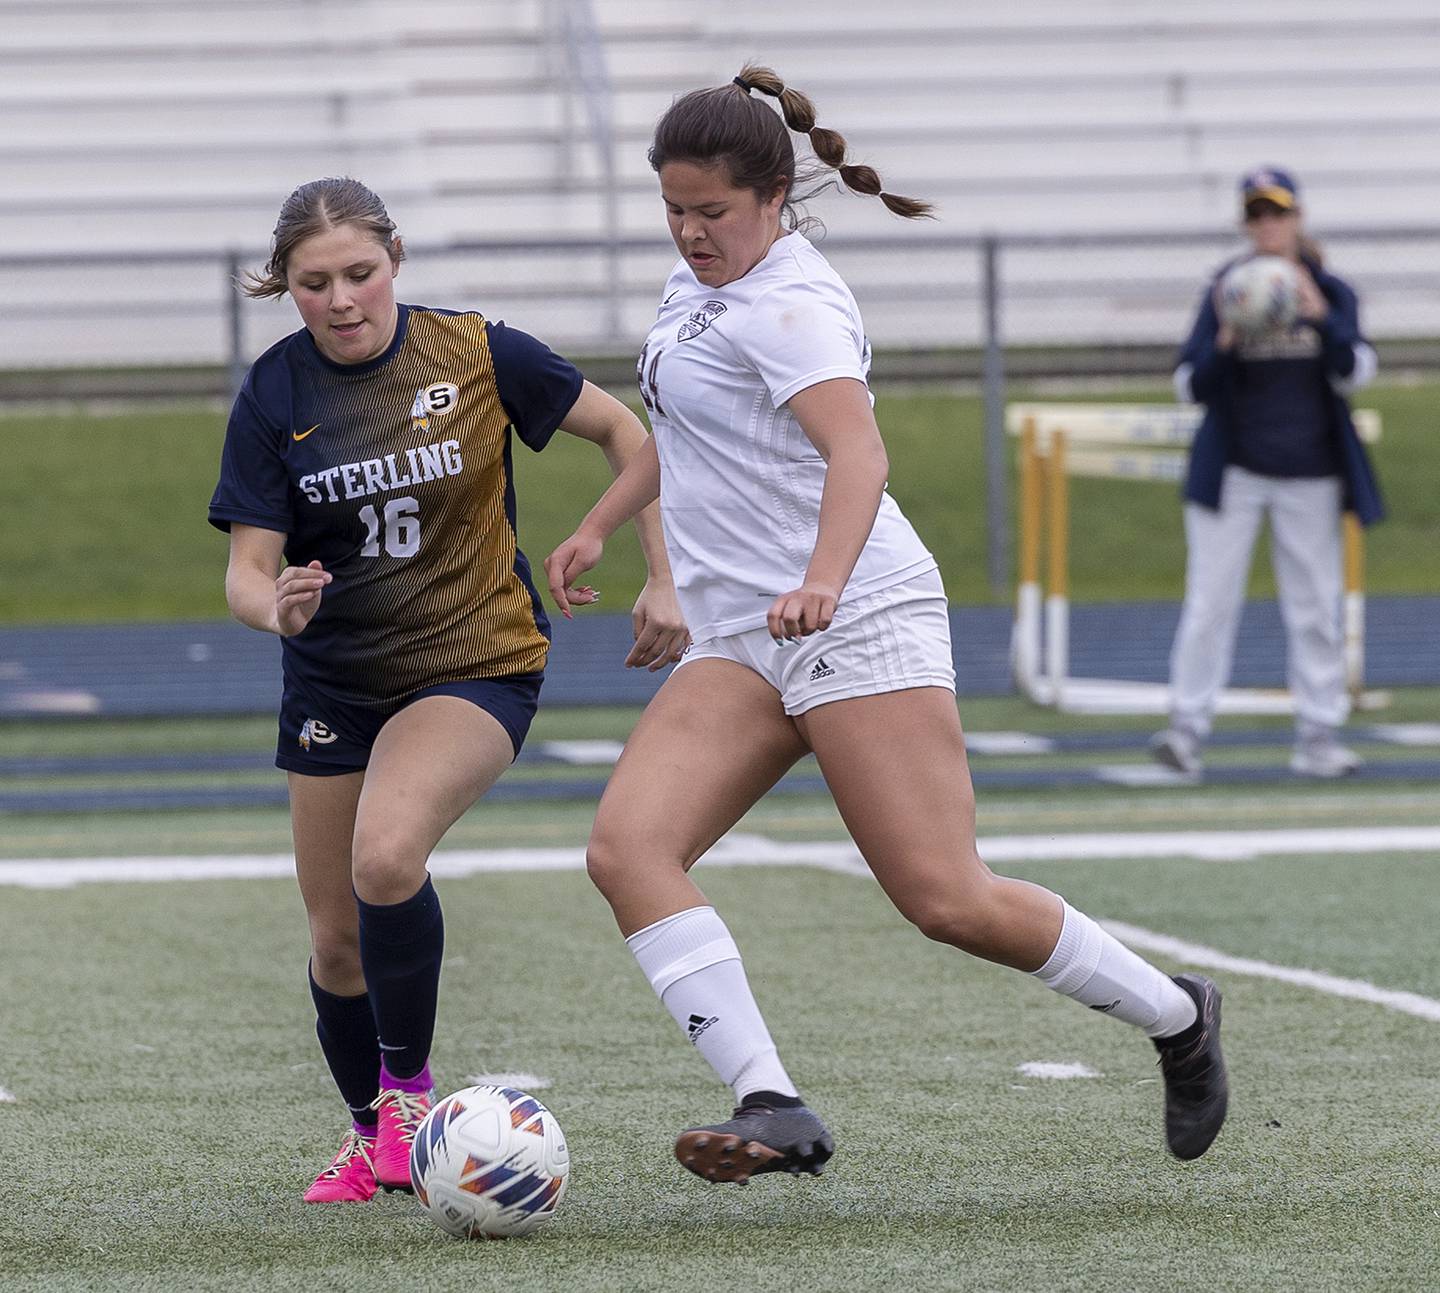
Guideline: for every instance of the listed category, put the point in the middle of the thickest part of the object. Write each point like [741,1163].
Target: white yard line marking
[842,857]
[583,752]
[1210,958]
[1408,733]
[1056,1070]
[516,1081]
[756,850]
[1008,743]
[1211,846]
[1144,775]
[6,1097]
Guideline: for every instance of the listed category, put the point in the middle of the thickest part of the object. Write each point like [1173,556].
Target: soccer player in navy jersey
[366,484]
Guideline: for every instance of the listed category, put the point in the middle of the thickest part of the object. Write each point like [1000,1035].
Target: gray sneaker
[756,1139]
[1319,754]
[1177,749]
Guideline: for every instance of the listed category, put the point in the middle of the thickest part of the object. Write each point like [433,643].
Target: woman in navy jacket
[1277,440]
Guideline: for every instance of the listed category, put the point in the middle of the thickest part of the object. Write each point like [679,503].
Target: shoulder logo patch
[699,320]
[432,401]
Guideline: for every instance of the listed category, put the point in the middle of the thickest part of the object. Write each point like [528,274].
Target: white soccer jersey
[740,482]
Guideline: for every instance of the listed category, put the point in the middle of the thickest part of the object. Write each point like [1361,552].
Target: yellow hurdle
[1117,442]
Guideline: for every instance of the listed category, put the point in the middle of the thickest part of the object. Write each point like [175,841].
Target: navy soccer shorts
[330,736]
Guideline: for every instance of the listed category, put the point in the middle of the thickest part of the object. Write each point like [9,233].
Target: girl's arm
[604,421]
[1208,354]
[837,419]
[263,596]
[660,632]
[637,487]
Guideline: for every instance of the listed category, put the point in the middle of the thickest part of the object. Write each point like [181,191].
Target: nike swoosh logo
[300,435]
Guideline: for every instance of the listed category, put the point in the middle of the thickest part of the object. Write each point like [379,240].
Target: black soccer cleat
[1196,1089]
[756,1139]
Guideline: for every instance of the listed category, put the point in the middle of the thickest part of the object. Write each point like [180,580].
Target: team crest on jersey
[700,320]
[314,732]
[432,401]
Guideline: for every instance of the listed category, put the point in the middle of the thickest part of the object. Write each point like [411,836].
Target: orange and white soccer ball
[489,1162]
[1260,294]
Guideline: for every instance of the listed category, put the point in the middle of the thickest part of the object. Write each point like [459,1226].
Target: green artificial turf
[170,1103]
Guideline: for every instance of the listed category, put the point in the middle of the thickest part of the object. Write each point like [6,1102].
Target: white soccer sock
[694,966]
[1099,971]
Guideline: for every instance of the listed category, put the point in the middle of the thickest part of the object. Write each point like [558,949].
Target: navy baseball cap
[1269,184]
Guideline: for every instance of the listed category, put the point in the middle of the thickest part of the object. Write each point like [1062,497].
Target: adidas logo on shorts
[698,1024]
[821,670]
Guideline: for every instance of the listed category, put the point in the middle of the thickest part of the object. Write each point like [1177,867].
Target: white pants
[1305,542]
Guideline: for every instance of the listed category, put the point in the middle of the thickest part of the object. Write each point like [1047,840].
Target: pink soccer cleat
[401,1113]
[351,1177]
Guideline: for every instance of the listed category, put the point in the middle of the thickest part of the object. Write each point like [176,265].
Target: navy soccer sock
[401,945]
[346,1028]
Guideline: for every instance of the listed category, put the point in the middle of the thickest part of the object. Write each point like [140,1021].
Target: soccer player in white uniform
[820,625]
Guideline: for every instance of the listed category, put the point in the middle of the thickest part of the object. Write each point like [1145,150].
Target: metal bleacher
[165,127]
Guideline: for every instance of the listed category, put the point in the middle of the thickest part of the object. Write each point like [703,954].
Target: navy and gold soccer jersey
[395,475]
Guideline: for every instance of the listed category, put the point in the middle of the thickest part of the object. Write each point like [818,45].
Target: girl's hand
[1225,332]
[297,596]
[1313,305]
[579,553]
[801,612]
[660,633]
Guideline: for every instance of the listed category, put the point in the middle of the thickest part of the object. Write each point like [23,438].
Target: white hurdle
[1125,442]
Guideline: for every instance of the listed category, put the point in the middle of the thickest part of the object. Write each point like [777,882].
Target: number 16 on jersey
[400,528]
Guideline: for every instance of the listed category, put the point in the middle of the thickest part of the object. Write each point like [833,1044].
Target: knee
[385,865]
[620,861]
[943,922]
[605,861]
[959,916]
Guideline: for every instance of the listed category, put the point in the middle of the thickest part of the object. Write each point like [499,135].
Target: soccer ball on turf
[489,1162]
[1259,294]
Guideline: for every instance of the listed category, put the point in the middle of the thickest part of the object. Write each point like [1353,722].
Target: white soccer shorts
[890,640]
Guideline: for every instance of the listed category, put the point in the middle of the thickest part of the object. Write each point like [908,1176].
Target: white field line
[1210,958]
[6,1097]
[756,850]
[842,857]
[515,1081]
[1056,1070]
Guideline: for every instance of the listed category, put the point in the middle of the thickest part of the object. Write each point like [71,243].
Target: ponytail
[726,126]
[828,145]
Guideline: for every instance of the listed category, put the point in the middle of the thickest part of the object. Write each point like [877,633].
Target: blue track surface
[581,788]
[218,667]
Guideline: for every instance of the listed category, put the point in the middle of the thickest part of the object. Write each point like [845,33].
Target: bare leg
[711,743]
[896,765]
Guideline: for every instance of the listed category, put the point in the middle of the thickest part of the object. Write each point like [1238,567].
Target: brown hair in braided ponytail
[726,126]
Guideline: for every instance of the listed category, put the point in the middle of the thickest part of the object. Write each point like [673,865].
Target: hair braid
[828,145]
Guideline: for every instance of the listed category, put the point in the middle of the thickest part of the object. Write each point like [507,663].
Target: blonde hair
[313,208]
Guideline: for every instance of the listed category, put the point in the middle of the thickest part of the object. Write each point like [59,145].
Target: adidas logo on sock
[821,670]
[698,1024]
[1105,1010]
